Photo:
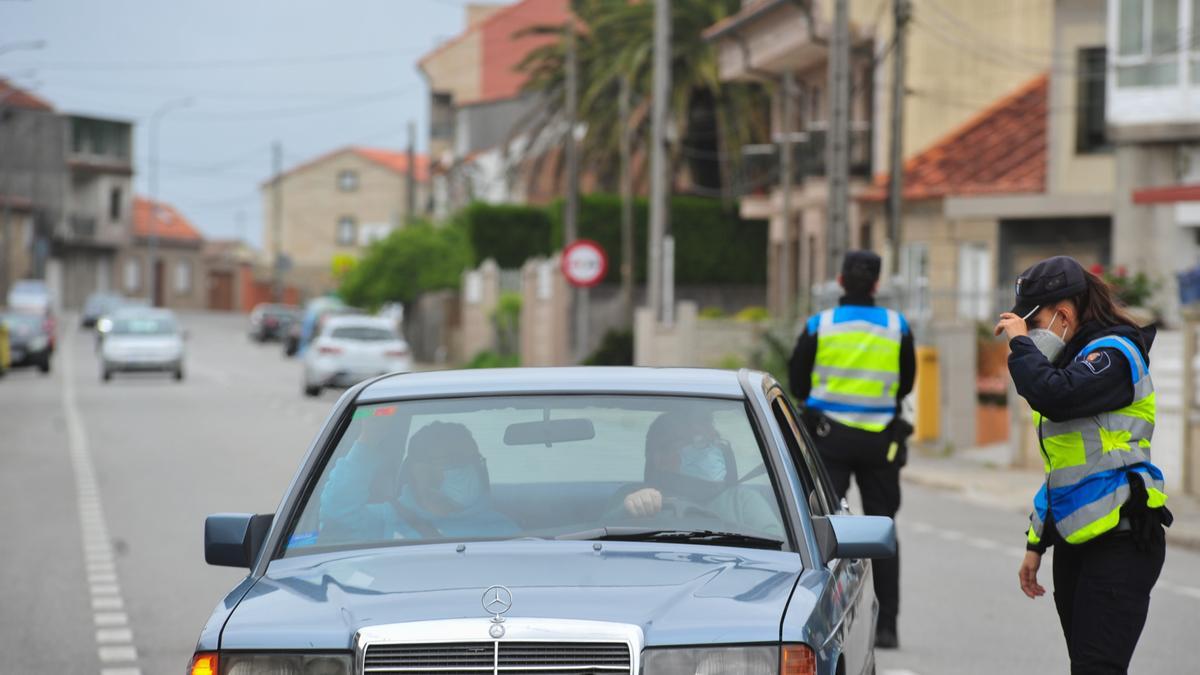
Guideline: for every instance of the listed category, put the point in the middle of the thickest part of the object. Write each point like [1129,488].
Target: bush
[406,263]
[490,359]
[616,349]
[711,313]
[507,233]
[507,319]
[712,244]
[752,314]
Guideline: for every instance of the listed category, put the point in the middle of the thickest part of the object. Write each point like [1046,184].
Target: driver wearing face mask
[691,468]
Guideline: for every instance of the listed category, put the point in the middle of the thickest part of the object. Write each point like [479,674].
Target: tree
[713,118]
[406,263]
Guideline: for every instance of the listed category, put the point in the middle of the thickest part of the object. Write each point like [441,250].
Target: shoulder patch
[1098,362]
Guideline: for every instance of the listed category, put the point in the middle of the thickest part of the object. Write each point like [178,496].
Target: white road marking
[898,672]
[951,535]
[1190,592]
[114,638]
[985,544]
[923,527]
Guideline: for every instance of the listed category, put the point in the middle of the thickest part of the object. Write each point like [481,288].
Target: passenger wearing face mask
[1083,366]
[690,469]
[443,491]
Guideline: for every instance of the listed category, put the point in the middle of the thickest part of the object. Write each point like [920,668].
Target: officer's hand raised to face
[1011,324]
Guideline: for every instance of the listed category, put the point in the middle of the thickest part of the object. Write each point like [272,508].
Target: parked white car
[142,339]
[352,348]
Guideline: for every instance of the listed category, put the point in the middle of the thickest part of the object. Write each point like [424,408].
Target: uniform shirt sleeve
[1082,389]
[800,366]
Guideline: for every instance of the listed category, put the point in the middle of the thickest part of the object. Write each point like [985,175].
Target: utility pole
[786,155]
[626,203]
[410,183]
[659,184]
[571,216]
[902,12]
[152,184]
[277,221]
[838,168]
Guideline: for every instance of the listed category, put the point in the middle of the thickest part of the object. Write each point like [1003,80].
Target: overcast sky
[314,75]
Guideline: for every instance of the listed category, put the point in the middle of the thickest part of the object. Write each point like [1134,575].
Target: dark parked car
[552,520]
[29,340]
[272,321]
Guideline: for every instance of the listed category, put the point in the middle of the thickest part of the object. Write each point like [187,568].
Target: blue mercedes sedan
[552,520]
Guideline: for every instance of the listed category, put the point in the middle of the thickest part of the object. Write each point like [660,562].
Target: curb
[1176,537]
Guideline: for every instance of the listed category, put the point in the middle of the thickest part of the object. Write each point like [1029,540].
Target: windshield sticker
[303,539]
[364,413]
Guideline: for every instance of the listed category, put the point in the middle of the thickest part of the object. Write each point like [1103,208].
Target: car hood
[677,594]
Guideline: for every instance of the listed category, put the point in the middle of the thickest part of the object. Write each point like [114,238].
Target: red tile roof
[395,160]
[1167,194]
[12,96]
[165,222]
[501,52]
[1001,150]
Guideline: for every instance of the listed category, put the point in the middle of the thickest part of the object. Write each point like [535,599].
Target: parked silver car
[352,348]
[142,339]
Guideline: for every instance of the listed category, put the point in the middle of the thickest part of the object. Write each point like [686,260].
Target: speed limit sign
[584,263]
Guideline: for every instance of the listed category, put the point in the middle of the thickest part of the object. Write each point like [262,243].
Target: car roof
[560,380]
[143,312]
[344,320]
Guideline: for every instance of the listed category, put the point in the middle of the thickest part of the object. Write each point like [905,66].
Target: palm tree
[711,118]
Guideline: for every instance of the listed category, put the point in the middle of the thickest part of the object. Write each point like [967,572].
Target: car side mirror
[234,539]
[854,537]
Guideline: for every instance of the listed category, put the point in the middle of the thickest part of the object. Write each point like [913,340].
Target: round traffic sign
[584,263]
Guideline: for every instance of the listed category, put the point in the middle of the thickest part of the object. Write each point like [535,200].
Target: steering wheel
[683,508]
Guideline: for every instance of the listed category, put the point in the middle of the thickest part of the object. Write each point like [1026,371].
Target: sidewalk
[981,476]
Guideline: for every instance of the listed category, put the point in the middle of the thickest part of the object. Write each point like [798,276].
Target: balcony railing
[81,227]
[761,163]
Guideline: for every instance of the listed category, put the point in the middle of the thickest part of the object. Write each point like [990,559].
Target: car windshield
[364,333]
[679,469]
[22,322]
[143,325]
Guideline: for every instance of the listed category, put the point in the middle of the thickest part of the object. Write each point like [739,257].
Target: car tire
[105,375]
[313,391]
[44,366]
[178,374]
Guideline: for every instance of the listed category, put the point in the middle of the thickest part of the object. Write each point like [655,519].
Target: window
[114,204]
[1148,43]
[346,231]
[975,283]
[1090,134]
[538,466]
[818,494]
[183,277]
[133,275]
[347,180]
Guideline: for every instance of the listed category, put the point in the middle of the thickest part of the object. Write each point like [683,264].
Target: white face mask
[1049,344]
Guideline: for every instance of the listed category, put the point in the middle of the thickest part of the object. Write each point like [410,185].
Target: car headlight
[235,663]
[104,325]
[762,660]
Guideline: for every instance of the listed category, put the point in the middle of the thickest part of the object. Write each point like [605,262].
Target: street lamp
[152,257]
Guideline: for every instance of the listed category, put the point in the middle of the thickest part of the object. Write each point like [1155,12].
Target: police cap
[861,265]
[1049,281]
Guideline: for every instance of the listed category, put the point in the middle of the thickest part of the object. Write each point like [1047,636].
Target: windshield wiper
[711,537]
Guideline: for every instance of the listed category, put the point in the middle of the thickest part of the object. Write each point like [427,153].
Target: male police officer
[851,368]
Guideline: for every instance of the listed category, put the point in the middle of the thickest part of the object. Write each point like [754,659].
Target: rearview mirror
[234,539]
[853,537]
[549,432]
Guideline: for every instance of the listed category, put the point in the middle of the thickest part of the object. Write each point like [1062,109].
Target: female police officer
[1082,364]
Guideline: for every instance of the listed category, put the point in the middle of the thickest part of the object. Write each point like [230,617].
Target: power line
[268,62]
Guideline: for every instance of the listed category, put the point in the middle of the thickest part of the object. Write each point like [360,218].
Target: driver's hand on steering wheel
[644,503]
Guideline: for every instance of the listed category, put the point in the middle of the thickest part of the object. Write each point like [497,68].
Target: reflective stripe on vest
[1087,459]
[856,372]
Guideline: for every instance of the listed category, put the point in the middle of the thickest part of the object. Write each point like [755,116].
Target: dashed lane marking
[114,637]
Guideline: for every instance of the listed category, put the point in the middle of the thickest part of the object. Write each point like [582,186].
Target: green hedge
[507,233]
[712,244]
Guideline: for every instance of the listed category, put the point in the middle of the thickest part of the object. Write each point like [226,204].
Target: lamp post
[152,253]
